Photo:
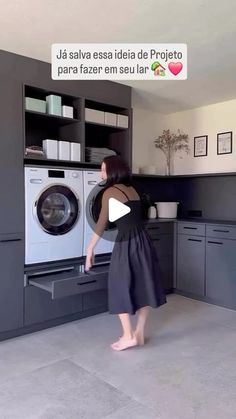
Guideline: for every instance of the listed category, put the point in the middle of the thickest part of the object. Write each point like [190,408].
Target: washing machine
[54,210]
[93,190]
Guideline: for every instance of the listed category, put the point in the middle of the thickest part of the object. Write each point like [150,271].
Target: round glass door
[57,210]
[96,205]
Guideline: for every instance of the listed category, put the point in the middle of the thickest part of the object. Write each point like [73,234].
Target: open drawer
[72,283]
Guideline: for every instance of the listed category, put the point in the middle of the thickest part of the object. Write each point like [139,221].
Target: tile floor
[186,370]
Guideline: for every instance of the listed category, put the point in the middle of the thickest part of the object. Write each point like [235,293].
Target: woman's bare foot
[140,338]
[124,343]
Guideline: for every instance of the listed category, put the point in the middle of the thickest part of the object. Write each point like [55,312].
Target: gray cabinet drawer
[163,244]
[195,229]
[39,306]
[159,228]
[72,284]
[221,231]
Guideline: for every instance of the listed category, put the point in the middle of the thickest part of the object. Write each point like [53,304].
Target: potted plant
[169,143]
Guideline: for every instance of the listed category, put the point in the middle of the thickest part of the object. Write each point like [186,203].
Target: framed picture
[224,142]
[200,146]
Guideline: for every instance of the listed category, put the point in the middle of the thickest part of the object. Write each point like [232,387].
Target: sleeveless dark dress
[134,275]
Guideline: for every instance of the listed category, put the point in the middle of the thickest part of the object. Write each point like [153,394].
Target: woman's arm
[98,231]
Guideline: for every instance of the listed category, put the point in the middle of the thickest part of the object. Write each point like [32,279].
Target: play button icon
[116,209]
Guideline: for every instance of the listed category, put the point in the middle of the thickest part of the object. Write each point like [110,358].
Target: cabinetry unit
[162,237]
[221,265]
[94,126]
[11,164]
[103,130]
[61,291]
[40,126]
[11,281]
[191,258]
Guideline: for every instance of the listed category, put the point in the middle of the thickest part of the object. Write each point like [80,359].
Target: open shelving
[39,126]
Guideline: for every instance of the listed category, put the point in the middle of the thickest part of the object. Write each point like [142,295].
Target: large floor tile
[61,390]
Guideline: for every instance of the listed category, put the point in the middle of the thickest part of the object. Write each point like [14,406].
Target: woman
[134,282]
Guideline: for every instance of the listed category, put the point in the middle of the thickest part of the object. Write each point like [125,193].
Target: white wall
[146,127]
[207,120]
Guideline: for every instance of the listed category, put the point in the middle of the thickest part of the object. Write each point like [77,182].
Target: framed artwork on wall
[224,142]
[200,146]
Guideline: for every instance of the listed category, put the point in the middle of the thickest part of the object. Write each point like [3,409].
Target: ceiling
[208,27]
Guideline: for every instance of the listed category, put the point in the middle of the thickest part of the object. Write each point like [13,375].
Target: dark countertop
[191,220]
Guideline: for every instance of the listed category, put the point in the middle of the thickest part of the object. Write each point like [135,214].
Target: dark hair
[117,171]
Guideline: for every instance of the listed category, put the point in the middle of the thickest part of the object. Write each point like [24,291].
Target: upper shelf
[55,118]
[140,175]
[111,127]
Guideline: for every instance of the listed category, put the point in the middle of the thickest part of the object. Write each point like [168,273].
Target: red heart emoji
[175,68]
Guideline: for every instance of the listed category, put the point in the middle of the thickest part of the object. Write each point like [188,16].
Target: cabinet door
[11,157]
[11,282]
[191,264]
[165,257]
[221,271]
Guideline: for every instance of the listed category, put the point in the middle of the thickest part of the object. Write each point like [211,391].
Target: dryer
[54,210]
[93,189]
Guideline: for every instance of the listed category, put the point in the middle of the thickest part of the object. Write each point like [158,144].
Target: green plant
[170,143]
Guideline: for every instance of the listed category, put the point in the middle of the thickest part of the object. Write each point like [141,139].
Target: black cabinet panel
[164,247]
[221,271]
[40,307]
[11,158]
[95,299]
[11,282]
[191,264]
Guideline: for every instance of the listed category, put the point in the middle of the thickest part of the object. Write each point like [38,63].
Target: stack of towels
[97,154]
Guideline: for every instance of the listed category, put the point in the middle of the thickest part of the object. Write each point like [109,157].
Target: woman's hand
[89,259]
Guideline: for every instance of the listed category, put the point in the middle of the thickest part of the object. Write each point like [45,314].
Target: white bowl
[167,209]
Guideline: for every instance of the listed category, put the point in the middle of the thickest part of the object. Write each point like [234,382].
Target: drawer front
[221,231]
[79,285]
[39,306]
[163,244]
[193,229]
[159,228]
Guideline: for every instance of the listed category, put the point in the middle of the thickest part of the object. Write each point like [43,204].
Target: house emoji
[158,69]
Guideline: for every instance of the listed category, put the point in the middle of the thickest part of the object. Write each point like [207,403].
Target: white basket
[167,209]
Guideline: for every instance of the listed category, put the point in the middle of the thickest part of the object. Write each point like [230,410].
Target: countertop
[191,220]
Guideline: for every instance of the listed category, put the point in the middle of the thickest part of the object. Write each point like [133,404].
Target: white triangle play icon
[116,209]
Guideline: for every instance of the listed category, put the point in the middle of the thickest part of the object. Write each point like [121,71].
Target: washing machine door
[57,209]
[94,207]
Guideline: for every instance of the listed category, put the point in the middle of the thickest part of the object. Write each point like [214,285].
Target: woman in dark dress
[134,282]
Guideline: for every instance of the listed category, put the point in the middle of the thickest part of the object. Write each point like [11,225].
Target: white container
[167,209]
[68,111]
[50,148]
[122,121]
[91,115]
[64,150]
[152,212]
[75,152]
[110,118]
[53,105]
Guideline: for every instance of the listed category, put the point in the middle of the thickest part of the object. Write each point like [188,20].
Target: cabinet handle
[195,240]
[87,282]
[190,228]
[10,240]
[221,231]
[214,242]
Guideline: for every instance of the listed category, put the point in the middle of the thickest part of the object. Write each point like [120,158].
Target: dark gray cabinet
[221,271]
[191,264]
[163,240]
[59,292]
[11,281]
[11,157]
